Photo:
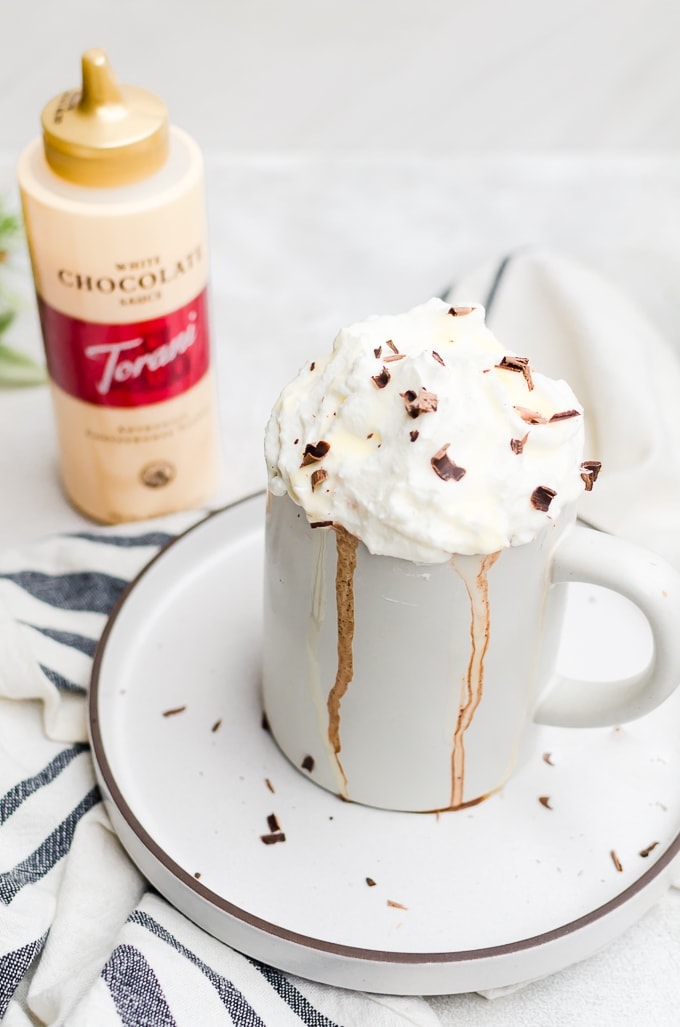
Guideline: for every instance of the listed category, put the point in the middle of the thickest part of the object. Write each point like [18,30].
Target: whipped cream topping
[423,436]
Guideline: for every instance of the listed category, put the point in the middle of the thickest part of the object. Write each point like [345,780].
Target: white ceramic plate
[495,895]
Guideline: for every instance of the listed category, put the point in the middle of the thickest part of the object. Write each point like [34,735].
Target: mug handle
[586,555]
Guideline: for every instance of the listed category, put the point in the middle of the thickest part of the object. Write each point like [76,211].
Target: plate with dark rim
[577,847]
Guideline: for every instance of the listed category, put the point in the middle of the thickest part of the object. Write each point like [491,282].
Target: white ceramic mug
[419,687]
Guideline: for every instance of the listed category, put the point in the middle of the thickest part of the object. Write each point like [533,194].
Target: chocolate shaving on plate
[517,445]
[396,905]
[531,416]
[377,352]
[216,726]
[547,758]
[314,451]
[413,435]
[382,379]
[308,763]
[272,823]
[391,345]
[545,801]
[564,415]
[272,839]
[460,311]
[521,364]
[312,365]
[616,861]
[318,477]
[650,848]
[438,358]
[269,785]
[444,467]
[542,497]
[172,712]
[370,882]
[396,356]
[417,403]
[589,472]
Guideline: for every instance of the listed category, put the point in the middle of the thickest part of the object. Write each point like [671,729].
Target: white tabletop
[361,156]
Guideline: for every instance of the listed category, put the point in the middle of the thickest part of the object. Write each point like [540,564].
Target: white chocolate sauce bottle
[113,204]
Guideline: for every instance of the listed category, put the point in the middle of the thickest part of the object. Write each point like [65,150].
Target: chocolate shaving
[321,524]
[392,346]
[308,763]
[197,875]
[272,823]
[542,497]
[216,726]
[318,477]
[417,403]
[521,364]
[444,467]
[377,352]
[438,358]
[547,758]
[460,311]
[396,905]
[616,861]
[650,848]
[370,882]
[314,451]
[564,415]
[312,365]
[265,722]
[269,785]
[272,839]
[397,356]
[517,445]
[382,379]
[589,472]
[296,442]
[176,709]
[413,435]
[531,416]
[545,801]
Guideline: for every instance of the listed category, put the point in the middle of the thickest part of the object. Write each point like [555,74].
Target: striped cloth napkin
[83,939]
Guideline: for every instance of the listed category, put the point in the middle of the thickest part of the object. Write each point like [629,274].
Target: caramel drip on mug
[316,621]
[480,627]
[344,599]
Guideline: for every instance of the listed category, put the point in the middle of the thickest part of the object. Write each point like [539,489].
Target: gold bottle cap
[105,134]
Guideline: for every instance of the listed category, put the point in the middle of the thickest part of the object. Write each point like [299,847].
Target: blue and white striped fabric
[83,939]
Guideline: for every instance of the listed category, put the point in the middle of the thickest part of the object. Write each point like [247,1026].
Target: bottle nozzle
[100,85]
[104,134]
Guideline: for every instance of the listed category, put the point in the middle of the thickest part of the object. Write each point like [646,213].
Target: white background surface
[360,155]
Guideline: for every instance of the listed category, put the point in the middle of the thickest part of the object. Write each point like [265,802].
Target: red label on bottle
[127,365]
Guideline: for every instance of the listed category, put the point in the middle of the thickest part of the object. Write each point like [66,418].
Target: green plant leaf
[16,369]
[10,226]
[6,318]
